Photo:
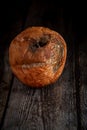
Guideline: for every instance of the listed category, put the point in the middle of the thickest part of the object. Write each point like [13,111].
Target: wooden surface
[6,75]
[83,82]
[59,106]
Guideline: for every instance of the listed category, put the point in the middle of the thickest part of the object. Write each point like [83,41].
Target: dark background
[11,11]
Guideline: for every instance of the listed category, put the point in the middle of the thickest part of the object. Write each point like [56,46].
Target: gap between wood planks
[78,85]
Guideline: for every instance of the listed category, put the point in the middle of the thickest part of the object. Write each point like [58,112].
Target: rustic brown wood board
[59,106]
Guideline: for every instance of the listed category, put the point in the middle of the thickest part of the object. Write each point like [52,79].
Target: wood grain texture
[83,82]
[4,85]
[52,107]
[6,73]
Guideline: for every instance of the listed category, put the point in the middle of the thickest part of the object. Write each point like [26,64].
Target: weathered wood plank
[52,107]
[83,82]
[6,73]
